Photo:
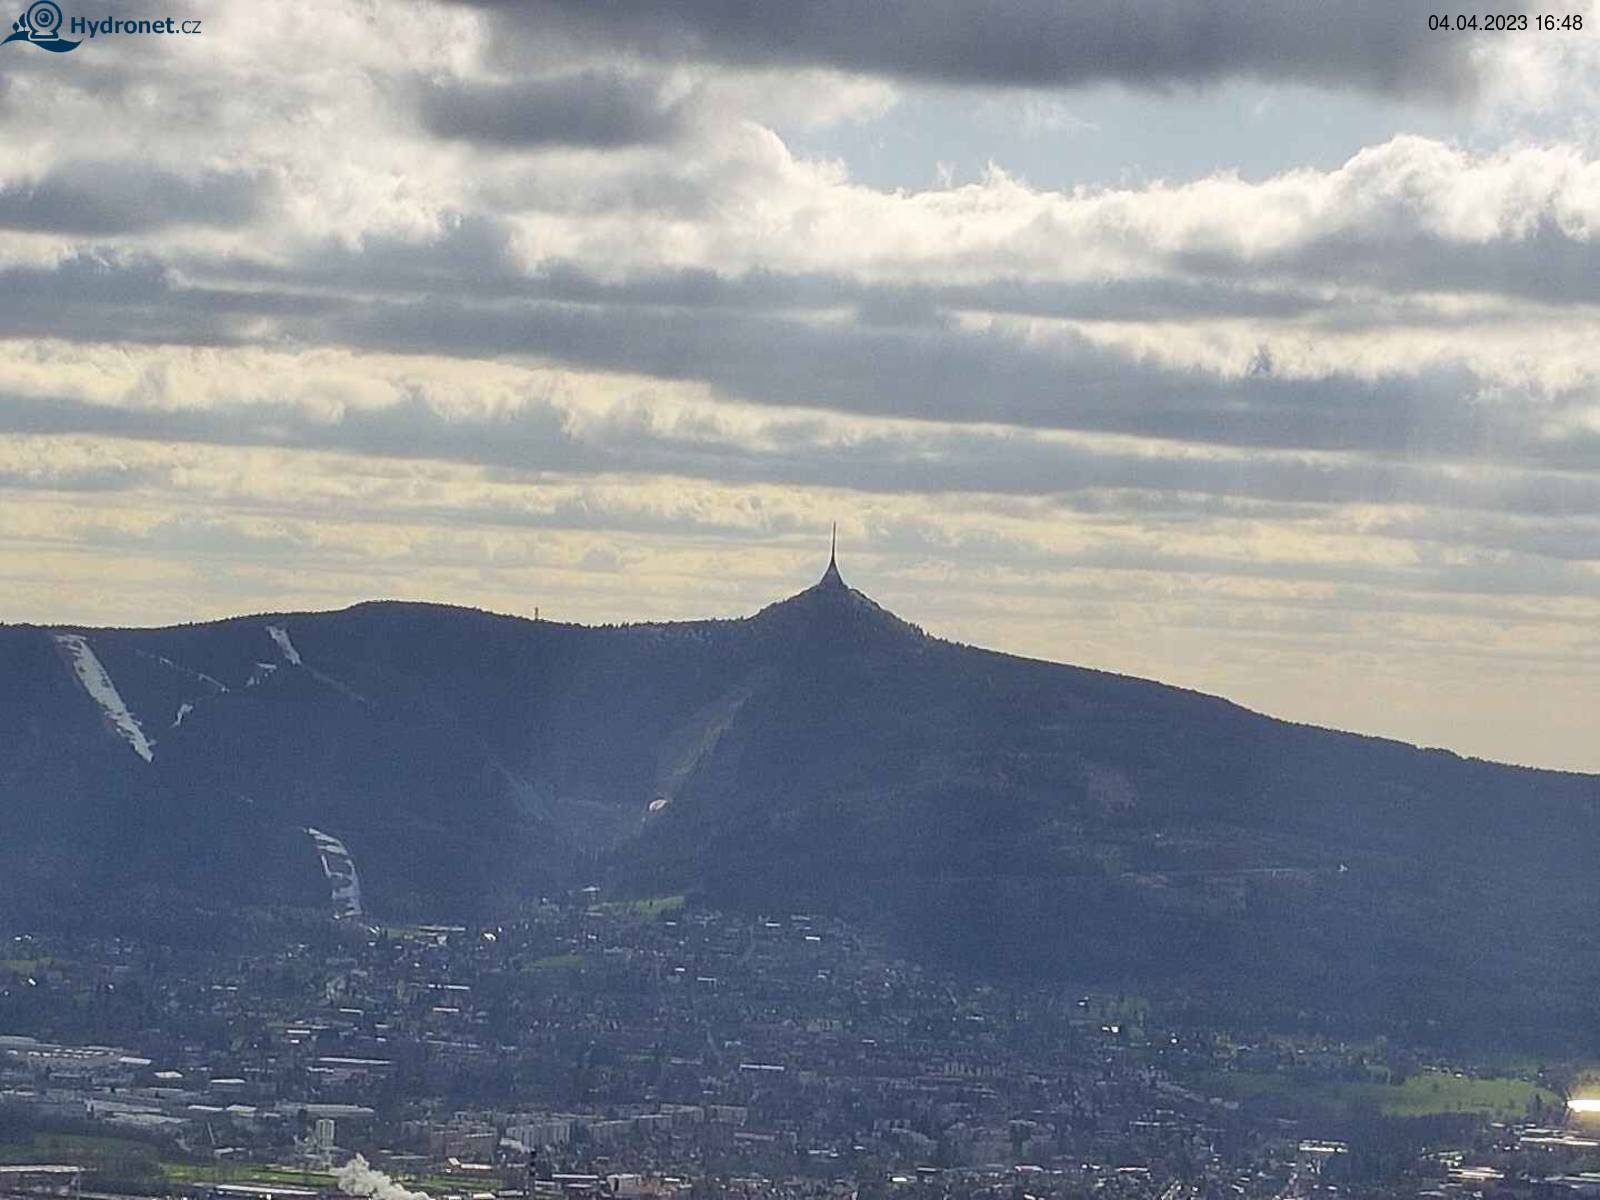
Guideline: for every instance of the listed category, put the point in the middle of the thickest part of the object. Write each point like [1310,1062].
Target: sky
[1249,347]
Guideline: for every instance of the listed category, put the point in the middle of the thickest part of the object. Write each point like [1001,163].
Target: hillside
[1011,817]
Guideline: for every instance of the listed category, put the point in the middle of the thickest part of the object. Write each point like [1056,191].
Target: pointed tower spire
[831,575]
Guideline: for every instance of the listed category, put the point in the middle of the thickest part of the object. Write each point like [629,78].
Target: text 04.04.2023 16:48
[1506,22]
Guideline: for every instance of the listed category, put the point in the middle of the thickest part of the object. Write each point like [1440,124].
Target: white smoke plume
[358,1178]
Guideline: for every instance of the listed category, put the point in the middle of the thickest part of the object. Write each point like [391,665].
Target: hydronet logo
[41,24]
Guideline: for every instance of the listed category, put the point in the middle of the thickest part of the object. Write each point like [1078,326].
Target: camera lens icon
[43,20]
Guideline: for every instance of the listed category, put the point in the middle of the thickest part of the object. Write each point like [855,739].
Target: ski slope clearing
[96,681]
[280,636]
[340,869]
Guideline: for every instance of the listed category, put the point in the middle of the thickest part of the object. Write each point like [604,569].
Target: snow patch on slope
[340,869]
[184,710]
[280,635]
[96,681]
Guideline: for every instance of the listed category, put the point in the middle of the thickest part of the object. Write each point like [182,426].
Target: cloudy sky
[1248,346]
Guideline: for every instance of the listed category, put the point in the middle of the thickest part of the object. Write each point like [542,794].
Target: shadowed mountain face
[1010,817]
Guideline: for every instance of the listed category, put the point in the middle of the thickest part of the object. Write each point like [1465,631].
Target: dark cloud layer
[472,256]
[953,375]
[1370,44]
[902,357]
[1546,265]
[539,439]
[599,109]
[100,198]
[93,299]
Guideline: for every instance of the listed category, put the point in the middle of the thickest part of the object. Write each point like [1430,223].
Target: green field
[77,1148]
[557,962]
[1424,1094]
[648,906]
[240,1172]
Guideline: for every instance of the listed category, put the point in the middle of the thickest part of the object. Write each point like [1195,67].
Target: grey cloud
[1513,575]
[1568,539]
[592,513]
[536,439]
[52,478]
[926,461]
[1171,508]
[110,78]
[98,198]
[1149,298]
[907,362]
[904,359]
[735,334]
[115,299]
[600,109]
[472,255]
[1518,573]
[1375,45]
[204,536]
[953,375]
[1545,265]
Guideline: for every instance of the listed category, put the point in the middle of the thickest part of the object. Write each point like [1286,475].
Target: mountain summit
[832,610]
[1007,816]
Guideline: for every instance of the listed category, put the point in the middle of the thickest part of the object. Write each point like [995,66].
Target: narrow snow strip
[340,870]
[215,684]
[97,682]
[339,687]
[184,710]
[262,671]
[280,635]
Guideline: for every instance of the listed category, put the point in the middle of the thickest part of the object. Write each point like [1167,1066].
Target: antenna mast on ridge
[833,547]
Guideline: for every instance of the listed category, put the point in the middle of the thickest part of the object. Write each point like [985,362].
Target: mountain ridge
[690,623]
[1009,815]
